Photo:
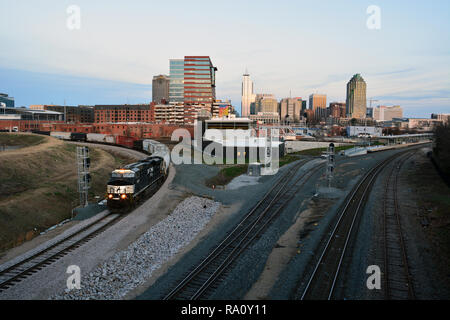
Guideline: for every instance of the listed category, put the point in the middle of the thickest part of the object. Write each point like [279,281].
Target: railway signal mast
[330,163]
[84,178]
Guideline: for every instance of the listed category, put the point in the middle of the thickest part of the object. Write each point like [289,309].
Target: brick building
[124,113]
[72,114]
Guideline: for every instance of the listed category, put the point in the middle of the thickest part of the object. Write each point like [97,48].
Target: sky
[289,48]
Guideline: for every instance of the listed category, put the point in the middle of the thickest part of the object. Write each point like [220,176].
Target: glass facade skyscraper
[356,97]
[192,80]
[176,83]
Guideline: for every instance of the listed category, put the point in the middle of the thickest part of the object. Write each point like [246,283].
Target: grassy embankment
[433,206]
[7,139]
[38,184]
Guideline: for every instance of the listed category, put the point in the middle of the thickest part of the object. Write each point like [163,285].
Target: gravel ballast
[131,267]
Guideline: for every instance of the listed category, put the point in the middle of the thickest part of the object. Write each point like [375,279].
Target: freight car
[151,147]
[131,183]
[78,136]
[100,138]
[61,135]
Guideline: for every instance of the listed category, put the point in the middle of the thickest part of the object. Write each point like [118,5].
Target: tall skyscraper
[248,97]
[356,97]
[176,83]
[160,89]
[192,81]
[318,104]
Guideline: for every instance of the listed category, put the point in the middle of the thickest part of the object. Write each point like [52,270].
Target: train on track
[133,182]
[143,145]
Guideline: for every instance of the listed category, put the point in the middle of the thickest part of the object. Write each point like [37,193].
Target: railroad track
[321,282]
[203,279]
[397,277]
[21,270]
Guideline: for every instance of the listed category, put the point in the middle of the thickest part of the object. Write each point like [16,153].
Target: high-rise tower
[318,104]
[248,97]
[356,97]
[192,81]
[160,89]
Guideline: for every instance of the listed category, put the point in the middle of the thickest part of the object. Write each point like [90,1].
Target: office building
[192,81]
[266,103]
[266,117]
[290,110]
[337,110]
[444,117]
[248,97]
[222,109]
[72,114]
[383,113]
[303,105]
[124,113]
[6,100]
[318,104]
[356,97]
[160,89]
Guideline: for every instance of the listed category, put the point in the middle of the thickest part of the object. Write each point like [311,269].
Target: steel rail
[243,245]
[19,274]
[234,236]
[19,271]
[369,179]
[394,173]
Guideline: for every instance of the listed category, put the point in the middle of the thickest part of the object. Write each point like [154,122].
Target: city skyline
[401,63]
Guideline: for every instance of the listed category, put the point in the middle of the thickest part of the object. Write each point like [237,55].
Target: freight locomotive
[131,183]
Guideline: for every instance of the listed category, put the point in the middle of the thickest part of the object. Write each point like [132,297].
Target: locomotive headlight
[124,196]
[110,196]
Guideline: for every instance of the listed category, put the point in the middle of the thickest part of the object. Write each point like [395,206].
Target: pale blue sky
[298,46]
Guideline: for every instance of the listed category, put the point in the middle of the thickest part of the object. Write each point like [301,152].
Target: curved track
[321,282]
[21,270]
[203,279]
[397,278]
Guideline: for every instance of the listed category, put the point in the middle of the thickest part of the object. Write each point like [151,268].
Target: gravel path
[130,268]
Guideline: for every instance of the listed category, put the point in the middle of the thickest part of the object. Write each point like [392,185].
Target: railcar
[78,136]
